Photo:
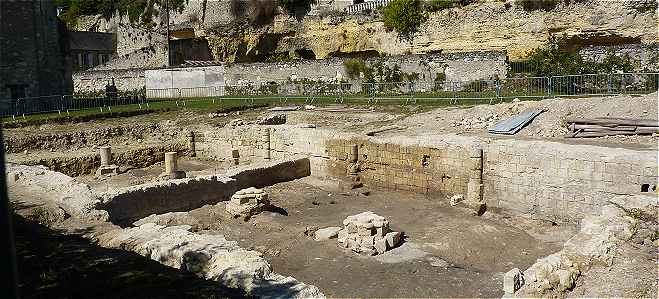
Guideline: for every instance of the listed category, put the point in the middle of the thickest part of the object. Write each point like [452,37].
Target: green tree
[403,15]
[135,10]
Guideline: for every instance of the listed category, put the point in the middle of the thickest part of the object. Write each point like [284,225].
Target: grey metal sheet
[512,125]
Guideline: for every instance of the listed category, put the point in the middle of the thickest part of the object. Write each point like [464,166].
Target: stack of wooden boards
[609,126]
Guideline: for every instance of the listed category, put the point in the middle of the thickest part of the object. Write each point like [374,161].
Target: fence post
[549,86]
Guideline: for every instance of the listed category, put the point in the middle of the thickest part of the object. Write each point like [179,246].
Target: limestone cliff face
[484,26]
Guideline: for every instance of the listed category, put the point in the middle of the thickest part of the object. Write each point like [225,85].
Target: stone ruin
[247,202]
[368,233]
[106,158]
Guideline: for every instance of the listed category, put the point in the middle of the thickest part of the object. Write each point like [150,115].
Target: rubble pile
[368,233]
[247,202]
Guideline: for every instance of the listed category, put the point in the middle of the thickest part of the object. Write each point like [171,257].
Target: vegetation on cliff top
[135,10]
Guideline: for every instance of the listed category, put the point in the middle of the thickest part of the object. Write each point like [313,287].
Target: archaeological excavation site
[330,148]
[353,202]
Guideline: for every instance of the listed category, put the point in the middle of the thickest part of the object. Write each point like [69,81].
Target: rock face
[368,233]
[247,203]
[481,26]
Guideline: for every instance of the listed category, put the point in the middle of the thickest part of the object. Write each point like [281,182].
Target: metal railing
[449,92]
[67,103]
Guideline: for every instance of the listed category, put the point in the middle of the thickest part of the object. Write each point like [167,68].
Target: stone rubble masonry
[248,202]
[367,233]
[126,205]
[561,182]
[595,243]
[210,257]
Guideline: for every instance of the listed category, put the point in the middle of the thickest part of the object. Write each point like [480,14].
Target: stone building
[90,49]
[32,50]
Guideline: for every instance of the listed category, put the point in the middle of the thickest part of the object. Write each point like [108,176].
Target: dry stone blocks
[368,233]
[247,203]
[171,166]
[326,233]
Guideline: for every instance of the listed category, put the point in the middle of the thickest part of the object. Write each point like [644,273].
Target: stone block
[326,233]
[381,246]
[393,239]
[512,281]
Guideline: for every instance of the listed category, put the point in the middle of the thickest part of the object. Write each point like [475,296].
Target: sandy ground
[448,251]
[548,125]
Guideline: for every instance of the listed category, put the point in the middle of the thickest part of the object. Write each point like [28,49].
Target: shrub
[403,15]
[645,6]
[354,67]
[531,5]
[135,10]
[437,5]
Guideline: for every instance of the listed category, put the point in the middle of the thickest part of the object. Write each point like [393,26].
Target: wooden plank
[598,128]
[600,134]
[615,121]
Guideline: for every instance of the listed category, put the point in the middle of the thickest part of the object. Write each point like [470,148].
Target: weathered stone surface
[327,233]
[512,281]
[273,119]
[455,199]
[209,256]
[381,246]
[247,202]
[393,239]
[366,233]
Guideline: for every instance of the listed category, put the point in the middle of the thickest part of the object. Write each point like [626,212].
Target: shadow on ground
[51,265]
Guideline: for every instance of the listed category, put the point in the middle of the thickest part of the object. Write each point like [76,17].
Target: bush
[403,15]
[437,5]
[136,10]
[354,67]
[531,5]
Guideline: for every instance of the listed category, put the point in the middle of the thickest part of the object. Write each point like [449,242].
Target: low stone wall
[556,181]
[88,163]
[131,203]
[95,80]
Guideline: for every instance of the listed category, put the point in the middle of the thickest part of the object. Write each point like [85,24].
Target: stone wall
[95,80]
[556,181]
[132,203]
[646,56]
[456,67]
[32,51]
[560,181]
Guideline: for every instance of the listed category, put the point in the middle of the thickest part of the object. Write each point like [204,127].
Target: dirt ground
[448,251]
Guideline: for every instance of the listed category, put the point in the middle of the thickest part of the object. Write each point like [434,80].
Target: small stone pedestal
[368,233]
[171,167]
[247,203]
[106,158]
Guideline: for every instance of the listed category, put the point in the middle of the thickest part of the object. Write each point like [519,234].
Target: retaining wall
[557,181]
[132,203]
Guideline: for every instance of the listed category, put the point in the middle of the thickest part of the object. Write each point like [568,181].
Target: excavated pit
[432,188]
